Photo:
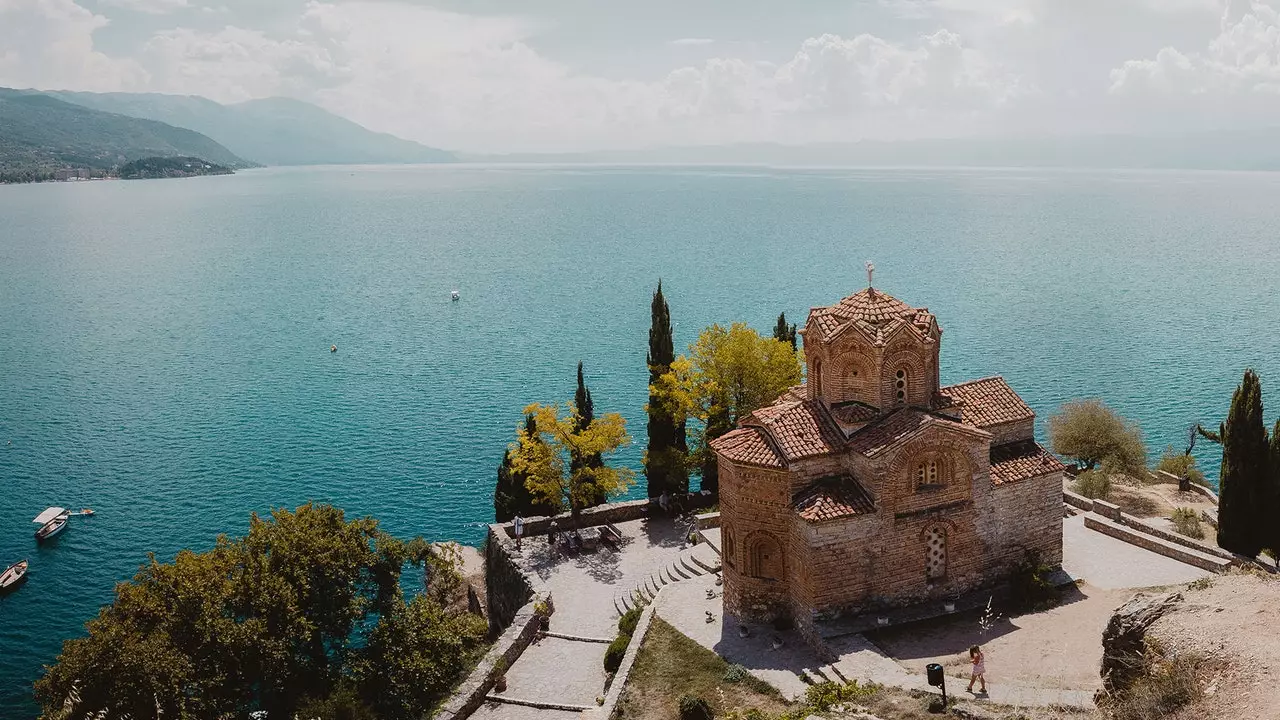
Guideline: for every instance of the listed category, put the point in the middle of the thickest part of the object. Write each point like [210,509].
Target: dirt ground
[1152,500]
[1060,648]
[1231,624]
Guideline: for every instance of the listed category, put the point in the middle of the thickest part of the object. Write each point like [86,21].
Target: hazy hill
[39,133]
[274,131]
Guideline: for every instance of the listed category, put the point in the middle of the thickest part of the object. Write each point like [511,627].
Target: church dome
[877,313]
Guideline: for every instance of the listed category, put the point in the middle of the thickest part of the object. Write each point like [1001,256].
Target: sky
[567,75]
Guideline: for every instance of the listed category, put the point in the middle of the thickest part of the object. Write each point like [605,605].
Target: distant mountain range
[40,134]
[1253,149]
[272,131]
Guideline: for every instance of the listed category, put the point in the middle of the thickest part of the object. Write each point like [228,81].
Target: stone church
[872,486]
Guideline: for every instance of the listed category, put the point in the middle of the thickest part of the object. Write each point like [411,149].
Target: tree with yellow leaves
[728,373]
[545,458]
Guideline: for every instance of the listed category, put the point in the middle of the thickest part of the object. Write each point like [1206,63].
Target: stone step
[491,697]
[834,673]
[677,570]
[1181,553]
[690,565]
[708,560]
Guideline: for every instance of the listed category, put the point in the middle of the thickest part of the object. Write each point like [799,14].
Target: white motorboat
[13,576]
[52,522]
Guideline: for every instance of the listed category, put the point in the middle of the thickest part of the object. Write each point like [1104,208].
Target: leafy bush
[694,708]
[1187,522]
[735,673]
[627,623]
[823,696]
[613,655]
[1176,463]
[1093,485]
[1030,588]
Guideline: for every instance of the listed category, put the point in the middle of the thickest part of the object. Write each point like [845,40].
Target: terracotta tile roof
[831,498]
[854,412]
[795,392]
[747,445]
[986,402]
[877,313]
[799,429]
[1021,460]
[883,434]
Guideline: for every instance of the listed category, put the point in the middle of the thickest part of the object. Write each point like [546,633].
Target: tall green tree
[728,373]
[511,494]
[666,457]
[1244,485]
[784,332]
[546,459]
[586,413]
[278,619]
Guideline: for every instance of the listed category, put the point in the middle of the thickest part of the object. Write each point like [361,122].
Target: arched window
[817,378]
[930,472]
[935,565]
[900,385]
[764,558]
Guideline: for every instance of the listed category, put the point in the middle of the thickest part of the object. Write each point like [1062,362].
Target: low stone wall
[606,514]
[706,521]
[470,695]
[1173,537]
[1076,500]
[1202,560]
[619,683]
[1106,509]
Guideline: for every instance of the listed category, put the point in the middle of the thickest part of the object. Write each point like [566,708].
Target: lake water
[164,345]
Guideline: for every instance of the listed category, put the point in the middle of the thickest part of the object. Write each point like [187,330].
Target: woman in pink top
[979,668]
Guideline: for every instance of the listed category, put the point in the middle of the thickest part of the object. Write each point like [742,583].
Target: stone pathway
[1108,563]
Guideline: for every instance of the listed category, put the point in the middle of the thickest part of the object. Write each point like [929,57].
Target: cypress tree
[784,332]
[586,413]
[1246,472]
[510,495]
[668,445]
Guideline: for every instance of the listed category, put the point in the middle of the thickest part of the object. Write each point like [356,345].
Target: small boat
[13,576]
[454,296]
[333,348]
[52,522]
[86,512]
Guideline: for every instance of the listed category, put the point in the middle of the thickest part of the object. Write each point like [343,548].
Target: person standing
[664,502]
[518,526]
[979,673]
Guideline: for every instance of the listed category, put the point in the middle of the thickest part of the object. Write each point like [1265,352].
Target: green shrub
[735,673]
[1176,463]
[823,696]
[1029,585]
[693,707]
[1187,522]
[627,623]
[613,655]
[755,714]
[1093,485]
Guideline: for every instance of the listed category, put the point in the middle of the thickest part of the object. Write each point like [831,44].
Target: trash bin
[935,673]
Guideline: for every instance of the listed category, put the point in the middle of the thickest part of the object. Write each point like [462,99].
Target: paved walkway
[1108,563]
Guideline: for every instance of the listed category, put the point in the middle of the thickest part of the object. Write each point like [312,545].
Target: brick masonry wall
[1011,432]
[754,509]
[1025,512]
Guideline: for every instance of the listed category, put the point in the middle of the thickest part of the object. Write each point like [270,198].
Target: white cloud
[48,44]
[235,64]
[1243,60]
[691,41]
[151,7]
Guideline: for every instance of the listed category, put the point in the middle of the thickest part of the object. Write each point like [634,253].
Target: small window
[930,473]
[933,472]
[921,474]
[935,563]
[817,377]
[901,386]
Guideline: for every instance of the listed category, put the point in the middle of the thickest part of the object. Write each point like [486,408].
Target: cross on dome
[871,268]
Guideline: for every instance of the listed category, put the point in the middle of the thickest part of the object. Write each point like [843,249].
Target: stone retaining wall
[1173,537]
[619,682]
[507,588]
[607,514]
[1152,543]
[471,694]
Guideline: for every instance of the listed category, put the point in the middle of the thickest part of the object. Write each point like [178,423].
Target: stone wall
[507,587]
[510,645]
[1024,510]
[1012,431]
[757,561]
[619,682]
[607,514]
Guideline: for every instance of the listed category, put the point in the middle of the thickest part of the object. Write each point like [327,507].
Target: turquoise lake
[164,345]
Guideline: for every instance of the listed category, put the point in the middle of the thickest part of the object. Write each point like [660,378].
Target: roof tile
[797,427]
[1021,460]
[877,313]
[747,445]
[831,498]
[986,402]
